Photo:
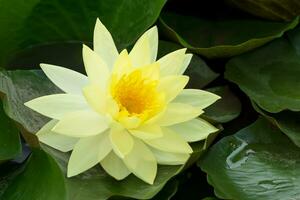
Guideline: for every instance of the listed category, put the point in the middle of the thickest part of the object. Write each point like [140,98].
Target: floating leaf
[269,75]
[225,109]
[226,38]
[258,162]
[10,144]
[270,9]
[41,178]
[38,22]
[288,122]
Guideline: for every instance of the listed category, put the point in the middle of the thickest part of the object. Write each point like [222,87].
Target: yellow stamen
[137,95]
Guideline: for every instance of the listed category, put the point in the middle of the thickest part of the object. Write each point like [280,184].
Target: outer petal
[177,113]
[57,105]
[52,139]
[141,162]
[121,140]
[104,44]
[172,86]
[172,63]
[95,67]
[167,158]
[197,98]
[67,80]
[81,124]
[88,152]
[186,61]
[115,166]
[147,132]
[144,51]
[194,130]
[95,96]
[170,142]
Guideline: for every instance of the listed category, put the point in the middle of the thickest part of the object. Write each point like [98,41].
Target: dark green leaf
[40,180]
[200,74]
[10,144]
[21,86]
[270,9]
[269,75]
[168,191]
[37,22]
[225,109]
[226,38]
[288,122]
[258,162]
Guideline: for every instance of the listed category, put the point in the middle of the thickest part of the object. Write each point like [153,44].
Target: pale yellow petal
[197,98]
[186,61]
[177,113]
[88,152]
[96,97]
[170,142]
[57,105]
[67,80]
[130,122]
[141,162]
[104,44]
[81,124]
[167,158]
[54,140]
[115,166]
[144,51]
[152,71]
[123,64]
[171,63]
[194,130]
[147,132]
[121,140]
[172,86]
[95,67]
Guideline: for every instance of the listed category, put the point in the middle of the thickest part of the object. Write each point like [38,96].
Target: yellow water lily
[129,113]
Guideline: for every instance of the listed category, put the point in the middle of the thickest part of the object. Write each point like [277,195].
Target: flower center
[137,95]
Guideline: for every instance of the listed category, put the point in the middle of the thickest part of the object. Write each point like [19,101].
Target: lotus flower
[129,114]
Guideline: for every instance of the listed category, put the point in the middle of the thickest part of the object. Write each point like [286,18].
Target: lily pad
[284,10]
[258,162]
[40,178]
[37,22]
[226,109]
[270,75]
[226,38]
[10,144]
[288,122]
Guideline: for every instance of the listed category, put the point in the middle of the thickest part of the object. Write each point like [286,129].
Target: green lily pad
[40,178]
[269,75]
[21,86]
[269,9]
[225,109]
[288,122]
[258,162]
[10,144]
[37,22]
[200,74]
[168,191]
[216,39]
